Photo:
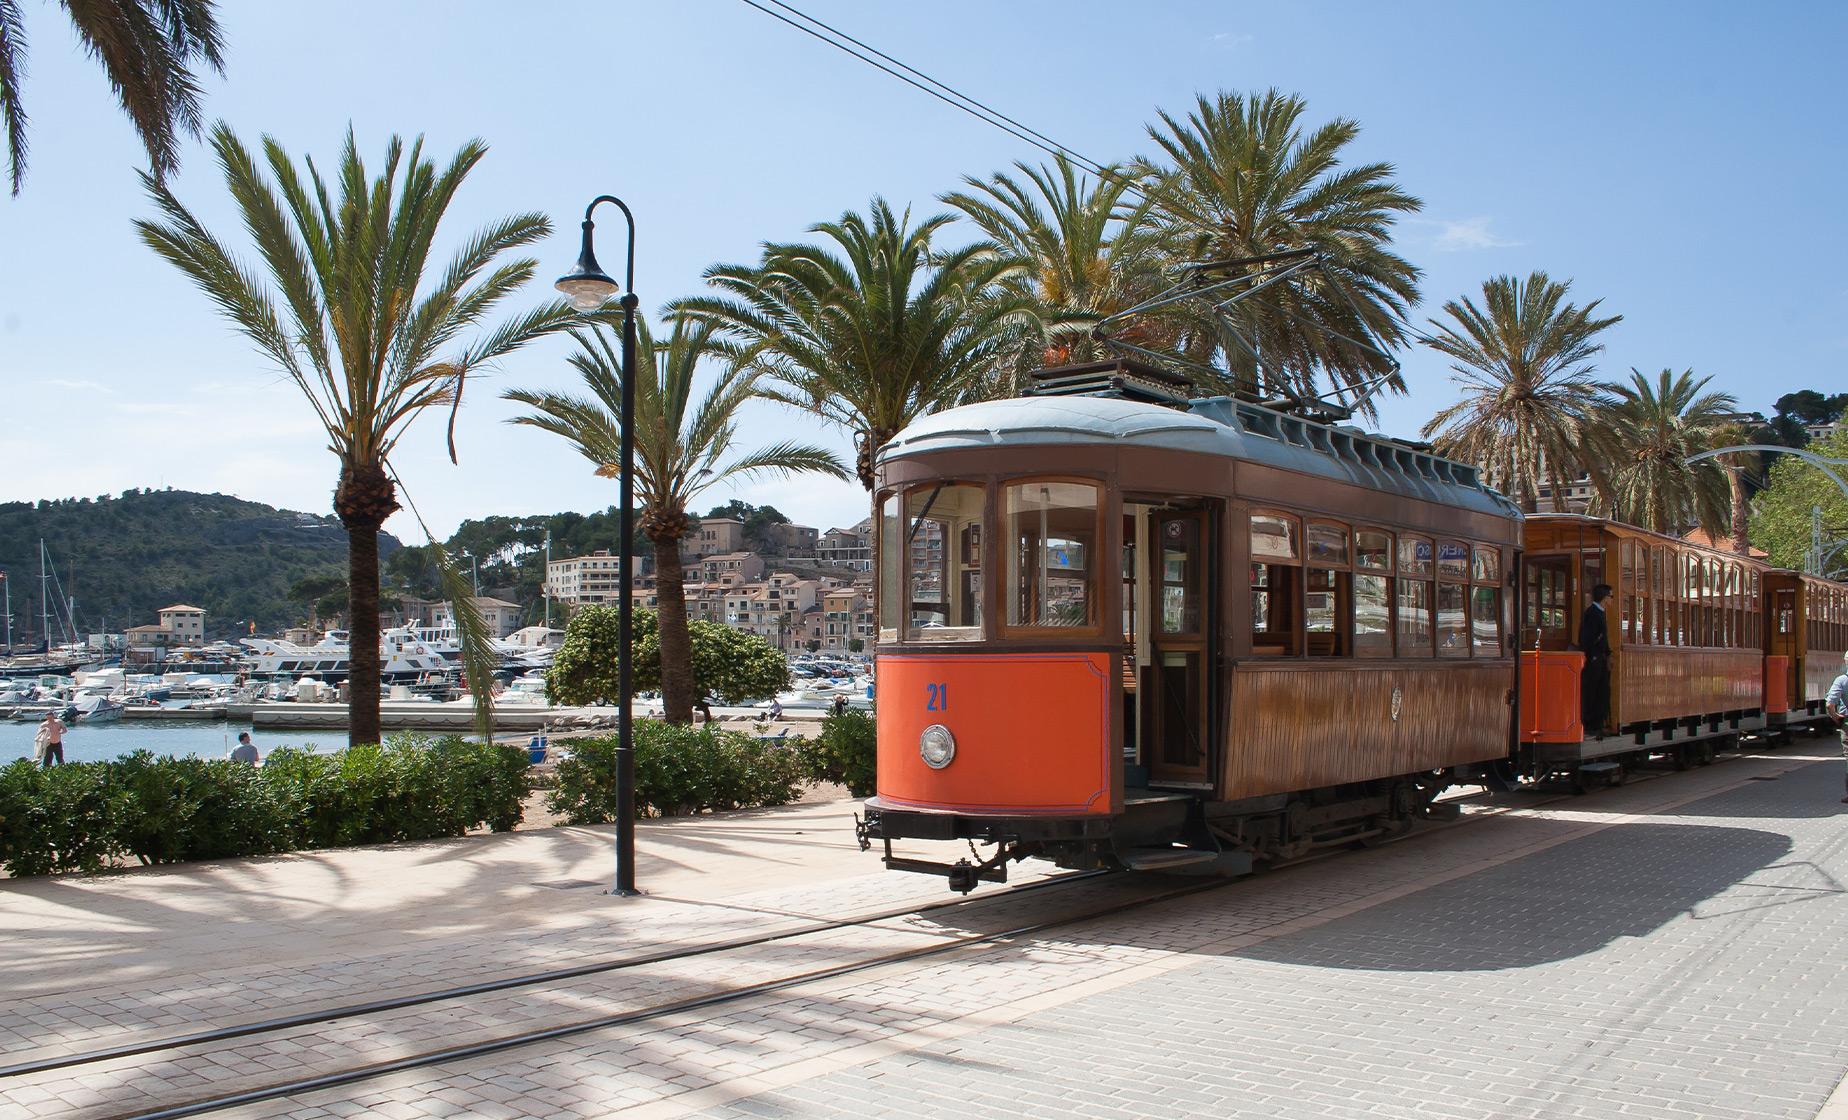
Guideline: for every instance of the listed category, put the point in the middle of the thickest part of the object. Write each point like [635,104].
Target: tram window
[1414,616]
[1180,583]
[891,557]
[1452,560]
[943,573]
[1273,538]
[1373,549]
[1328,545]
[1452,620]
[1485,621]
[1051,554]
[1325,610]
[1415,557]
[1488,565]
[1273,609]
[1372,615]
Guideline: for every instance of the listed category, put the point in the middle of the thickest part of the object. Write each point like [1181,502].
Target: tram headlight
[937,746]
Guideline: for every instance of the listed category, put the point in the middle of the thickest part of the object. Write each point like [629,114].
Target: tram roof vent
[1122,379]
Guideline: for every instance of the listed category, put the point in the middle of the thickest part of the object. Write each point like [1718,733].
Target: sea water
[200,738]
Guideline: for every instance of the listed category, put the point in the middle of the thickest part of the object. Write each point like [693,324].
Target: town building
[731,568]
[847,548]
[502,617]
[579,580]
[712,536]
[185,624]
[794,540]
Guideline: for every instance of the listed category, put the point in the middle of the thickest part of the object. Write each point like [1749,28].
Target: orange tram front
[1117,633]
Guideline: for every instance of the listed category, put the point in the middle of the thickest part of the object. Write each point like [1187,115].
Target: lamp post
[588,287]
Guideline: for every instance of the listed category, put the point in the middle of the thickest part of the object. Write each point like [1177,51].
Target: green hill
[124,558]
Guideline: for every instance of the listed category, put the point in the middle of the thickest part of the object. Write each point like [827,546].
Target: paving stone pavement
[1661,950]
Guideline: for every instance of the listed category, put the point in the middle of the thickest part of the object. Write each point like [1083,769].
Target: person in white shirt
[1837,707]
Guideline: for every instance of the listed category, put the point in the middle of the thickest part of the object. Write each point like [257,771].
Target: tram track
[662,1009]
[668,1008]
[507,983]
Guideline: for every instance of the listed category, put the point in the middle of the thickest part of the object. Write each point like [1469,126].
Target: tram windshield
[943,573]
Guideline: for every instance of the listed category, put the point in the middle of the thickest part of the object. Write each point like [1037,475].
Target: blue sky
[1683,162]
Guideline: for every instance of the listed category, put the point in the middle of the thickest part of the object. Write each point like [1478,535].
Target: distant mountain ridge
[124,558]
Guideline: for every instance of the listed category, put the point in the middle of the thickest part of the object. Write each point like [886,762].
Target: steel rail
[460,991]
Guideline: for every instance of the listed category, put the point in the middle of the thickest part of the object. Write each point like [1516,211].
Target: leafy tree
[684,444]
[872,329]
[1086,248]
[343,309]
[855,645]
[729,666]
[148,49]
[1781,514]
[1530,402]
[1653,429]
[325,596]
[1240,177]
[1797,412]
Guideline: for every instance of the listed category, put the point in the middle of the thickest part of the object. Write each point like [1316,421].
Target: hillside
[124,558]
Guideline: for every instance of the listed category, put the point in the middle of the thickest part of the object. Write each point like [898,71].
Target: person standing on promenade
[1595,683]
[245,751]
[48,742]
[1837,707]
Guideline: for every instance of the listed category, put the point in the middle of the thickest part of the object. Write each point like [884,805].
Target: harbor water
[200,738]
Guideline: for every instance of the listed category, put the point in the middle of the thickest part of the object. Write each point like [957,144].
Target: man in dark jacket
[1595,681]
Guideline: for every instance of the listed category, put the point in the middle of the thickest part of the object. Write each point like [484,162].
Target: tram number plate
[937,697]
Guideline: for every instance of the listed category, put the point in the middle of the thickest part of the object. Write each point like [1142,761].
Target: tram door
[1546,621]
[1179,643]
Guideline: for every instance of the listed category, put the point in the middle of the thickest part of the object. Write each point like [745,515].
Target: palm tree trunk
[363,635]
[1741,513]
[677,685]
[364,499]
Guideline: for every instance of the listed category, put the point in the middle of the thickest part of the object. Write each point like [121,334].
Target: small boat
[94,708]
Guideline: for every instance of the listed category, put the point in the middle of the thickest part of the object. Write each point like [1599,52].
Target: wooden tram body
[1157,634]
[1122,633]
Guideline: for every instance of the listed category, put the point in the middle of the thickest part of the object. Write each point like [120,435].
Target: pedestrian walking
[1837,707]
[245,751]
[48,742]
[1595,681]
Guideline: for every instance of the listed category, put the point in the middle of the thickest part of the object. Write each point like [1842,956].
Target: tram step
[1598,767]
[1162,859]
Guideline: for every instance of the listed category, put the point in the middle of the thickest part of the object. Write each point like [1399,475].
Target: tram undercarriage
[1161,830]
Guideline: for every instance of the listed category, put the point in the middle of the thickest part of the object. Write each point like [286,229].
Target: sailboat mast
[44,598]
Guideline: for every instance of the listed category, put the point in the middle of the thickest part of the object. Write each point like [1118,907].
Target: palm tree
[1243,179]
[1086,248]
[875,335]
[682,441]
[1654,428]
[342,308]
[1732,434]
[1530,403]
[147,49]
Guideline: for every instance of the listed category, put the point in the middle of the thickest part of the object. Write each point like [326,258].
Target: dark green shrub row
[86,815]
[844,752]
[678,770]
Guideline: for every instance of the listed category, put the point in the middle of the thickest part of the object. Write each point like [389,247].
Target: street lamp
[1821,462]
[588,287]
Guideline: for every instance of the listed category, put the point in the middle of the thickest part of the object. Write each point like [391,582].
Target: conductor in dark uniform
[1595,681]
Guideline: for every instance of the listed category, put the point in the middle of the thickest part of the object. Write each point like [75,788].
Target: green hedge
[845,752]
[678,770]
[87,815]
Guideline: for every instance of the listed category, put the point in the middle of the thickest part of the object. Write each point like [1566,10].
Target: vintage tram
[1123,627]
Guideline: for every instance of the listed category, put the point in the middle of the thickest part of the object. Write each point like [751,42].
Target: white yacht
[401,654]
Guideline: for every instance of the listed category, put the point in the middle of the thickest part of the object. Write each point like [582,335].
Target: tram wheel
[1581,783]
[1682,758]
[1704,753]
[1619,775]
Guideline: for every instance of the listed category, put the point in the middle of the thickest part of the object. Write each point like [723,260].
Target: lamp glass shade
[587,291]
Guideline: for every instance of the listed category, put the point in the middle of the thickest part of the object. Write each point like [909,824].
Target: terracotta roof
[181,607]
[1724,544]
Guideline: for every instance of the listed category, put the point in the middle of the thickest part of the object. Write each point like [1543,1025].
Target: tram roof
[1220,426]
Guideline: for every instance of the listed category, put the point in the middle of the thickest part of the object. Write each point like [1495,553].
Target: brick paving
[1659,950]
